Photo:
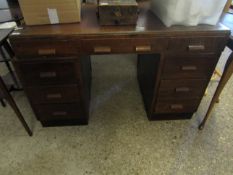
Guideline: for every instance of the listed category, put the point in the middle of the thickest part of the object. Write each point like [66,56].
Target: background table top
[4,33]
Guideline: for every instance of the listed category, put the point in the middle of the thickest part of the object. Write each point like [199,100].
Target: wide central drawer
[189,66]
[123,45]
[48,72]
[182,89]
[54,94]
[59,111]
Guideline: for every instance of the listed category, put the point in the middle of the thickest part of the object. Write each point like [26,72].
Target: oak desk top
[147,24]
[174,64]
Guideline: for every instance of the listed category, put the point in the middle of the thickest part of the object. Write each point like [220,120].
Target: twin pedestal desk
[174,64]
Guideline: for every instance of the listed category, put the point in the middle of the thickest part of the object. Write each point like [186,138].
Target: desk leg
[228,70]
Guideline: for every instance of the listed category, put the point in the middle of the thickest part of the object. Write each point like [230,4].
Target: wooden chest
[117,12]
[174,65]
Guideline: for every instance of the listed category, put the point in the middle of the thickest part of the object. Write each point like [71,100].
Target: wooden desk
[4,33]
[174,64]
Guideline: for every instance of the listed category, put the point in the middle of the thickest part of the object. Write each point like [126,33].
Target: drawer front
[58,111]
[182,89]
[55,94]
[190,66]
[124,45]
[176,106]
[45,47]
[198,44]
[42,73]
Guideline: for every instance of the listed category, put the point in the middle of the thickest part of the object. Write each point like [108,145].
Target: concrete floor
[119,139]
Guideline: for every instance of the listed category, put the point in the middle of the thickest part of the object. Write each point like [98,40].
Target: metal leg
[9,68]
[3,103]
[228,70]
[12,103]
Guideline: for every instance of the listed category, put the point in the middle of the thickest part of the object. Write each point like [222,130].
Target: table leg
[228,70]
[12,103]
[3,103]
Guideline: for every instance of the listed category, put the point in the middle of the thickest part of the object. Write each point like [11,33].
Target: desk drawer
[59,111]
[182,89]
[197,44]
[176,106]
[48,72]
[54,94]
[45,47]
[123,45]
[189,66]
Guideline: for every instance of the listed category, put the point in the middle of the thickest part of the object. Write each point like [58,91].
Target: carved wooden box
[117,12]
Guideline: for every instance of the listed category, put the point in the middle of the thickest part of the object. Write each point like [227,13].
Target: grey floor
[119,139]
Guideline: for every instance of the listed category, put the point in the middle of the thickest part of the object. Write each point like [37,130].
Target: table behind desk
[227,20]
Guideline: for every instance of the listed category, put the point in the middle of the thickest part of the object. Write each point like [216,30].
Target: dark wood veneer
[54,60]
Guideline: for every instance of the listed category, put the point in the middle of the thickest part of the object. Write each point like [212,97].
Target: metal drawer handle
[52,96]
[189,68]
[183,89]
[47,51]
[59,113]
[143,48]
[102,49]
[48,74]
[196,47]
[177,106]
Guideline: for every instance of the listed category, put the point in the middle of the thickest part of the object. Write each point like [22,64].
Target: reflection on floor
[119,139]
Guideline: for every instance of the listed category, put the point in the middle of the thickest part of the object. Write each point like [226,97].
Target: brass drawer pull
[143,48]
[59,113]
[53,96]
[47,51]
[177,106]
[189,68]
[196,47]
[183,89]
[102,49]
[48,74]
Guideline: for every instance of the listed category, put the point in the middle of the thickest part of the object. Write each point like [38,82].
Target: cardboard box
[38,12]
